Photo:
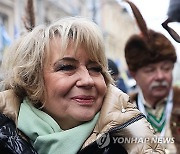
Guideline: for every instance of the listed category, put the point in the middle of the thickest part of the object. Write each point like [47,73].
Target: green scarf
[45,134]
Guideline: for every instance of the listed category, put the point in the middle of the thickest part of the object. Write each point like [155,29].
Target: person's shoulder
[123,117]
[176,94]
[176,89]
[9,104]
[115,95]
[118,103]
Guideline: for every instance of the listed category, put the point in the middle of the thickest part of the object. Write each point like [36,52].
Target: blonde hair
[23,62]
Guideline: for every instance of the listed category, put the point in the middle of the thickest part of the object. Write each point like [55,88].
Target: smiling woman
[60,95]
[65,78]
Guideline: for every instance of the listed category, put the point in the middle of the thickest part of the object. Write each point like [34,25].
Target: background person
[114,71]
[58,91]
[150,57]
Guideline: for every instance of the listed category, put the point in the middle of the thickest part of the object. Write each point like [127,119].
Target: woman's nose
[85,79]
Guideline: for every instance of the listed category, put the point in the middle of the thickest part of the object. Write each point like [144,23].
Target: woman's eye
[66,68]
[96,69]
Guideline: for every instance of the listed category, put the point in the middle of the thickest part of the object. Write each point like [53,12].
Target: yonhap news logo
[104,140]
[129,140]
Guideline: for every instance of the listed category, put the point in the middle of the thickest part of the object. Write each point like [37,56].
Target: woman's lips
[84,100]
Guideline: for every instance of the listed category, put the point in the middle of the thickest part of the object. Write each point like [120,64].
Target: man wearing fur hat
[150,57]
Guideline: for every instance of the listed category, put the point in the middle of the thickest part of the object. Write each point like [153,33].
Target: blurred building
[115,21]
[117,25]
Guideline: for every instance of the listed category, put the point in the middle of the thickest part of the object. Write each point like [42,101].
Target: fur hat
[147,47]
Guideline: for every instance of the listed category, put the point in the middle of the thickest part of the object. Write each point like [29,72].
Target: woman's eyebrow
[66,59]
[69,59]
[92,62]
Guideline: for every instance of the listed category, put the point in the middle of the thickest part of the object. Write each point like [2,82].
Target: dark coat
[10,141]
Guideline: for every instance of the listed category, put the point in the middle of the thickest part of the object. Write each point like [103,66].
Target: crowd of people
[61,94]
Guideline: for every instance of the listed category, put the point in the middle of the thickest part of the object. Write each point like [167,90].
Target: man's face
[155,79]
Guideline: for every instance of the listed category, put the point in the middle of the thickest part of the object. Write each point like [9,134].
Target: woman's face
[74,85]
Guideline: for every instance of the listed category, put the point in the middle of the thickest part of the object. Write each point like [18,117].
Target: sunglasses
[173,34]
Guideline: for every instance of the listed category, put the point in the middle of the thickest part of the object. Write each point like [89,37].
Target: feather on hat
[29,18]
[148,46]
